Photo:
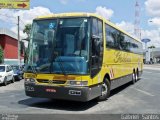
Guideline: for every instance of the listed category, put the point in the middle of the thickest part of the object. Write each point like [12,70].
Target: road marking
[147,72]
[153,73]
[144,92]
[151,68]
[145,78]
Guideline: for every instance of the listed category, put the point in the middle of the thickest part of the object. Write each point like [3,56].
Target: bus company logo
[121,57]
[50,81]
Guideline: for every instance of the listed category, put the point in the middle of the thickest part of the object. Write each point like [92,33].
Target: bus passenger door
[96,47]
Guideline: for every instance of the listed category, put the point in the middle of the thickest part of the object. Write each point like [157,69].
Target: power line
[22,22]
[15,19]
[9,17]
[13,23]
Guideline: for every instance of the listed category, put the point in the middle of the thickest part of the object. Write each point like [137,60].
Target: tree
[1,55]
[151,47]
[26,55]
[27,30]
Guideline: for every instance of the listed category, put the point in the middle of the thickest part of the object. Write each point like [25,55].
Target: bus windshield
[59,46]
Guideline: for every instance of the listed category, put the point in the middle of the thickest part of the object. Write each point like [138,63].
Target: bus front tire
[105,90]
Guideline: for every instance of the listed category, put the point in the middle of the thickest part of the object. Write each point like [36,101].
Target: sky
[120,12]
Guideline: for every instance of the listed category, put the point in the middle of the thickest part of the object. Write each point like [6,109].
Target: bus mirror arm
[95,37]
[93,56]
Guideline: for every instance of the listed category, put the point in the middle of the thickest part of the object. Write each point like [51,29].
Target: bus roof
[65,15]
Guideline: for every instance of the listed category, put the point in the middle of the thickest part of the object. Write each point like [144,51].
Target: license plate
[50,90]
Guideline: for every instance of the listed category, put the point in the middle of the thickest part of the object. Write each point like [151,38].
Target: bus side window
[123,42]
[97,37]
[94,27]
[134,47]
[97,46]
[111,37]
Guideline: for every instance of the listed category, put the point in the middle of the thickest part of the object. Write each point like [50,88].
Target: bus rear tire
[138,77]
[105,90]
[134,77]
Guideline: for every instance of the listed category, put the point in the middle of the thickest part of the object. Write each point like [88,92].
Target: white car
[6,74]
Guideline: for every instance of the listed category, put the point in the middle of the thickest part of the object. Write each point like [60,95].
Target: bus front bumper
[65,93]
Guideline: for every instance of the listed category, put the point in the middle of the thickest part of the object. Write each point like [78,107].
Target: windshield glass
[2,68]
[15,67]
[60,46]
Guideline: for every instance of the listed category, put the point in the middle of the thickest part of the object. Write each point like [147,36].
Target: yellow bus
[79,57]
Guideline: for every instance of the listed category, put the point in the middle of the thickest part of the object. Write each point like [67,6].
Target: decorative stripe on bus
[111,73]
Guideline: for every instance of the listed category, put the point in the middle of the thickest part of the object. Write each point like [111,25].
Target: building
[9,44]
[152,55]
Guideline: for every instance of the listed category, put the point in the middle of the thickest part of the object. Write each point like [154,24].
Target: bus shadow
[67,105]
[58,104]
[121,88]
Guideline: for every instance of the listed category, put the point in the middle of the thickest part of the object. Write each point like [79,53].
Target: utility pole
[137,30]
[19,57]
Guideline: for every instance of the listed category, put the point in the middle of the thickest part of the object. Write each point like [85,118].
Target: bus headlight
[77,83]
[30,80]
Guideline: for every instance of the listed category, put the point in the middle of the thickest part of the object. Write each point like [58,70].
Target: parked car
[18,73]
[6,74]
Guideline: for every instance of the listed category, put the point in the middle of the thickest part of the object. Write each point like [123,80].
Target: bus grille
[51,81]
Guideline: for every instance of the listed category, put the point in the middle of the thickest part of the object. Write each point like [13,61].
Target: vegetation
[1,55]
[151,47]
[27,30]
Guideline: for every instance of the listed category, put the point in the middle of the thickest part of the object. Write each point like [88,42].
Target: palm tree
[27,30]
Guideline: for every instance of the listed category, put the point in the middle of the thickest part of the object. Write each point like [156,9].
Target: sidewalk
[151,66]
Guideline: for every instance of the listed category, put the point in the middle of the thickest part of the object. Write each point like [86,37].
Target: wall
[11,48]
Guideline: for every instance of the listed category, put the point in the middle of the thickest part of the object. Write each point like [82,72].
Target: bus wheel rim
[133,75]
[104,89]
[136,77]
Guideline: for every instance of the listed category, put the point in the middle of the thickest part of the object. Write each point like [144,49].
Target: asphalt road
[142,97]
